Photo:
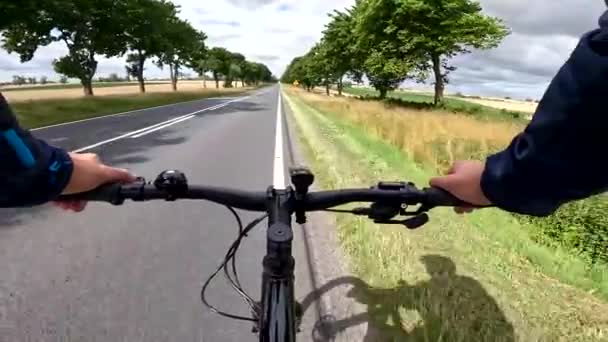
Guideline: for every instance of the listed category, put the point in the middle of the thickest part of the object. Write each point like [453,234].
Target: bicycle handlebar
[257,201]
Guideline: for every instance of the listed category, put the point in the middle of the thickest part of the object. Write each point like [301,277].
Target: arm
[31,172]
[561,155]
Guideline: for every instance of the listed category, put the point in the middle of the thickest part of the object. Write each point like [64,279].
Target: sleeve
[31,172]
[561,155]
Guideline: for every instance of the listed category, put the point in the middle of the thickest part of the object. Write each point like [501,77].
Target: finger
[116,175]
[442,182]
[78,206]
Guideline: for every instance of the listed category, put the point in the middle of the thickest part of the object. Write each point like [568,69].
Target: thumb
[443,182]
[116,175]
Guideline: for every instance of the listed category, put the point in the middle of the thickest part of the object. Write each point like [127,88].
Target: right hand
[89,173]
[464,181]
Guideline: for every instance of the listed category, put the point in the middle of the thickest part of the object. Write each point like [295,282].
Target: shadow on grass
[447,307]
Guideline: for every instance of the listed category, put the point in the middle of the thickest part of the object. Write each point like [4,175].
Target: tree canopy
[390,41]
[140,29]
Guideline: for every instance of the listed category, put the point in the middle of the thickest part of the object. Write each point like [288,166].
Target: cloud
[251,3]
[275,31]
[267,58]
[284,8]
[230,23]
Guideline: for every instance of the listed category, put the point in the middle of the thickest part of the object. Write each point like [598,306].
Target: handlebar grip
[110,193]
[437,197]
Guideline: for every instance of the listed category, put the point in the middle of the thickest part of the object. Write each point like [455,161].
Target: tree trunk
[383,92]
[340,86]
[217,81]
[439,85]
[87,86]
[204,82]
[140,73]
[327,89]
[242,83]
[173,71]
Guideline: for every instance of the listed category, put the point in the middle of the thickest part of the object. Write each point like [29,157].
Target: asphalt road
[133,273]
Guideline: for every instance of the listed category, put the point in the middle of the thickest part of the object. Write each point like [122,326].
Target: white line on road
[161,127]
[163,124]
[123,113]
[279,167]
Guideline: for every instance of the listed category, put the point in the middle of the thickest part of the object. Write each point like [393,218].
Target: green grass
[75,86]
[474,278]
[39,113]
[450,104]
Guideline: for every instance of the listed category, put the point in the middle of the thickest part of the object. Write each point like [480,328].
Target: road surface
[134,273]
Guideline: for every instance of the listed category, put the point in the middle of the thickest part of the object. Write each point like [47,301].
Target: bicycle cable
[234,282]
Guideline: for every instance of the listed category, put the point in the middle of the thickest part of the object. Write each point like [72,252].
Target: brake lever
[410,223]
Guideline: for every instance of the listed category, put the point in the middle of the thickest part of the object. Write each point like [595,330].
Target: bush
[580,227]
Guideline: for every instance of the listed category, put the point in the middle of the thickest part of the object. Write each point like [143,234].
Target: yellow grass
[434,139]
[133,88]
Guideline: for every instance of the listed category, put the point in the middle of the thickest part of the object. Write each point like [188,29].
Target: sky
[544,32]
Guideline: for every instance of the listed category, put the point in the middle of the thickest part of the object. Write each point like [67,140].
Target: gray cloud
[251,3]
[267,58]
[231,23]
[221,38]
[547,17]
[544,32]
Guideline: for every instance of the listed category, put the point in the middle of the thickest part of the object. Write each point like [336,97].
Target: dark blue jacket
[31,172]
[563,153]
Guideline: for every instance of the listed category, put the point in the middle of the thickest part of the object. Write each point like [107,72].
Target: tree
[340,44]
[44,80]
[147,22]
[219,63]
[18,80]
[63,79]
[181,42]
[430,32]
[87,27]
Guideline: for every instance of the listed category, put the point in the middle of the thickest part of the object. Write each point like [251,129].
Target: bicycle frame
[277,319]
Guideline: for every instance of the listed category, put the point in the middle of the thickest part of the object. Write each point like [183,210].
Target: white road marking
[123,113]
[279,167]
[161,127]
[160,124]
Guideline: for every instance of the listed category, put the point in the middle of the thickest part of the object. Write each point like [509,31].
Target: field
[490,108]
[460,278]
[39,113]
[100,89]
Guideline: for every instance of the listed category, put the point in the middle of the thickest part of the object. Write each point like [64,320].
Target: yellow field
[133,88]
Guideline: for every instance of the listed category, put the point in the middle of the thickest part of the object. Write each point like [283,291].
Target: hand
[464,181]
[89,173]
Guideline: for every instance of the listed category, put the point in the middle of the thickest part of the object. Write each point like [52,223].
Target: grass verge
[424,101]
[475,278]
[33,114]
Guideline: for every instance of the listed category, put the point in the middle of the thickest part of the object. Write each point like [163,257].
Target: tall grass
[450,104]
[432,138]
[504,286]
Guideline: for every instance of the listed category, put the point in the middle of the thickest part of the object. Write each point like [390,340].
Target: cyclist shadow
[446,307]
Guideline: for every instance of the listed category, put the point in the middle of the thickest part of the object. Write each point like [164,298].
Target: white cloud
[275,31]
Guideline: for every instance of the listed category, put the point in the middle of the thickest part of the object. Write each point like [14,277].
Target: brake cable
[230,255]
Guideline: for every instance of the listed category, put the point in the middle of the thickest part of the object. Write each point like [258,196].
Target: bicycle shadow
[446,307]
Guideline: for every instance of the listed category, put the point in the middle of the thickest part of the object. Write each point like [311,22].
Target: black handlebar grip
[437,197]
[110,193]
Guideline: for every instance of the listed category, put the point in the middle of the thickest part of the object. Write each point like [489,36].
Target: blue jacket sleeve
[31,172]
[562,154]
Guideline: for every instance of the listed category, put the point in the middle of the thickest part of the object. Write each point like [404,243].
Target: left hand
[89,173]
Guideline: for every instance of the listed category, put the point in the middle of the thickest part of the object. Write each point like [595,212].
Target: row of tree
[140,29]
[389,41]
